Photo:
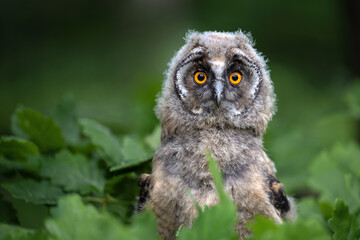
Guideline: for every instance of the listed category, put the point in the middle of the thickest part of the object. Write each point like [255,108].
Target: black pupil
[234,77]
[201,77]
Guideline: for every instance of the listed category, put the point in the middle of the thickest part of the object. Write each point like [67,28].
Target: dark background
[111,55]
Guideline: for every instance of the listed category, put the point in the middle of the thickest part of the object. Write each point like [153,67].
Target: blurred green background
[111,55]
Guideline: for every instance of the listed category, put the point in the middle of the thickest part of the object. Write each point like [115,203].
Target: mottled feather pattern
[225,119]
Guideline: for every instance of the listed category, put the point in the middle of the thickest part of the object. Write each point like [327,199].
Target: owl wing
[145,187]
[278,198]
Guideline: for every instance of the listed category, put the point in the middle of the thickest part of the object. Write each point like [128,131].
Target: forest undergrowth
[65,177]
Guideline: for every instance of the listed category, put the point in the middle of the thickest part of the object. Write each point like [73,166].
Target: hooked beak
[219,87]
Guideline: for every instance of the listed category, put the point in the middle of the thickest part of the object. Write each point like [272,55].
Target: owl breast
[236,153]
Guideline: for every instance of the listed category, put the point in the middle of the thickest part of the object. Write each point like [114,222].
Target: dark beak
[217,99]
[218,87]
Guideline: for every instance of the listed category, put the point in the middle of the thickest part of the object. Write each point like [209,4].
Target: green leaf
[72,220]
[102,137]
[29,215]
[326,209]
[18,154]
[144,226]
[73,172]
[33,191]
[266,229]
[216,173]
[153,140]
[347,157]
[312,138]
[216,222]
[343,223]
[134,152]
[309,209]
[43,131]
[16,148]
[124,188]
[127,152]
[7,213]
[31,164]
[262,228]
[9,232]
[335,174]
[66,118]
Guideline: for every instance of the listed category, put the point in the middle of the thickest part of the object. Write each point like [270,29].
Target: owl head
[217,79]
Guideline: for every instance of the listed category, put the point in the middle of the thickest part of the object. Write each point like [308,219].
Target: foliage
[336,174]
[82,175]
[69,178]
[343,223]
[71,210]
[34,192]
[41,130]
[53,165]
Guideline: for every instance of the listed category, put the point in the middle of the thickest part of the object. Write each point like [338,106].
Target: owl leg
[247,215]
[167,200]
[242,230]
[251,198]
[167,220]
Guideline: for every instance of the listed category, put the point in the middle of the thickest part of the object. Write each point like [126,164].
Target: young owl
[217,97]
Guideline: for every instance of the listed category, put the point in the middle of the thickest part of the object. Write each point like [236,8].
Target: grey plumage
[202,107]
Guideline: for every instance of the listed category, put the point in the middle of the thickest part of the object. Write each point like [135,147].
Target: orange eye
[200,77]
[235,78]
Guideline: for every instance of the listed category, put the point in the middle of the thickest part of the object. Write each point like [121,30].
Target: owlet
[217,97]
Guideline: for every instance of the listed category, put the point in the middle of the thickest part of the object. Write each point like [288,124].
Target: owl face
[217,77]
